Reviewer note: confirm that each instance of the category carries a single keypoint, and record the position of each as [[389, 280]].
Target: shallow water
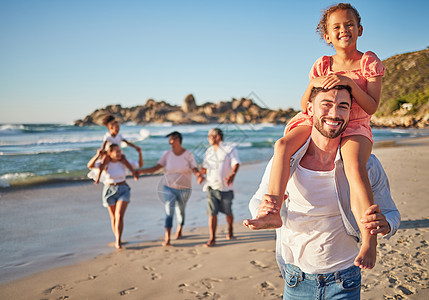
[[34, 153]]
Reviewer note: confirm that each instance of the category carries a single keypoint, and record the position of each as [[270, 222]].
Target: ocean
[[35, 153]]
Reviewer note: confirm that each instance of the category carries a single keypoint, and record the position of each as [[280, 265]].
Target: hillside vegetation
[[405, 93]]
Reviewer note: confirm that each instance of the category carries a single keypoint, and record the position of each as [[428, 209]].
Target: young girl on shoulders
[[114, 137], [340, 26]]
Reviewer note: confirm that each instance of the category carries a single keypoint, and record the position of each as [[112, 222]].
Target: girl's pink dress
[[370, 66]]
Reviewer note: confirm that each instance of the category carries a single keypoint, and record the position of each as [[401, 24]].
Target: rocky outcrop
[[238, 111], [235, 111], [189, 104]]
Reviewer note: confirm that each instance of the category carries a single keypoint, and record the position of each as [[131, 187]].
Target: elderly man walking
[[221, 164]]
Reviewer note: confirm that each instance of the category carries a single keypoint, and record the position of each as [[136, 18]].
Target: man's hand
[[230, 179], [200, 177], [374, 220], [268, 205]]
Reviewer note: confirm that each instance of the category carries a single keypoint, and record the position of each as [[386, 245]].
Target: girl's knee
[[282, 147]]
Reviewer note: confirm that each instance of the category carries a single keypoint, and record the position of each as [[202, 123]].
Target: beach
[[244, 268]]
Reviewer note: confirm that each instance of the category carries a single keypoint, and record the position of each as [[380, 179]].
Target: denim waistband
[[327, 277]]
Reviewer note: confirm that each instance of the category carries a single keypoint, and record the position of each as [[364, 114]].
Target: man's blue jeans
[[344, 284], [175, 200]]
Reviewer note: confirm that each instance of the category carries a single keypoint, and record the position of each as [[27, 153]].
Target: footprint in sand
[[208, 295], [407, 290], [208, 282], [194, 267], [200, 289], [266, 288], [54, 289], [127, 291], [155, 276], [194, 252], [90, 277], [424, 244], [239, 277], [258, 264], [261, 250], [148, 268], [109, 267]]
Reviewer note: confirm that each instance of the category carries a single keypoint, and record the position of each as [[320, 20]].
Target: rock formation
[[235, 111]]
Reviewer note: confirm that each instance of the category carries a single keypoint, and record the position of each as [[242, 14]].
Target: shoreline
[[249, 270], [41, 181]]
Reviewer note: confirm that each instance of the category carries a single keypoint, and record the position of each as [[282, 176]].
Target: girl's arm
[[132, 145], [368, 101], [315, 82], [140, 157]]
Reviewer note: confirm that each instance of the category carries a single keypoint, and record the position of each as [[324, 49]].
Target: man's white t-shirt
[[178, 169], [219, 165], [314, 237]]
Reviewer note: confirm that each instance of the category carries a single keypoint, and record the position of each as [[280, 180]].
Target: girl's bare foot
[[179, 235], [166, 243], [367, 256], [118, 245], [268, 221]]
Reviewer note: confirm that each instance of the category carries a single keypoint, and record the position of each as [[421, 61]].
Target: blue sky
[[60, 60]]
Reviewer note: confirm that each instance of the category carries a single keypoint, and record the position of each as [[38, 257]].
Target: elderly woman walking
[[178, 164]]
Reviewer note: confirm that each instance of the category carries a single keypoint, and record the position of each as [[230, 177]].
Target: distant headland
[[404, 103]]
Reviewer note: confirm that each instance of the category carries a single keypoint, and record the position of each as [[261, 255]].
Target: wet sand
[[244, 268]]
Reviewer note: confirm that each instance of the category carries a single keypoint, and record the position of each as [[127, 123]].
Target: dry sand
[[245, 268]]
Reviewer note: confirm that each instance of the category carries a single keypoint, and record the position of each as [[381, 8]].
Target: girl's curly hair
[[321, 27]]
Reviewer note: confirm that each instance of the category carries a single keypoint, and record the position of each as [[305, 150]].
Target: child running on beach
[[114, 137], [116, 192], [340, 26]]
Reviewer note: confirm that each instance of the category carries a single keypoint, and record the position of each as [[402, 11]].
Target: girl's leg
[[105, 159], [279, 175], [121, 207], [356, 150], [111, 209]]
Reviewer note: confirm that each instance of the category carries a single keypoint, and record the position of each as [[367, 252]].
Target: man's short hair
[[218, 132], [317, 90], [175, 135]]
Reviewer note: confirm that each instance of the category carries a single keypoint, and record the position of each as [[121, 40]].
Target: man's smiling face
[[331, 112]]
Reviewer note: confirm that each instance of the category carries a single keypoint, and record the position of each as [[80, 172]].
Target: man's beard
[[329, 133]]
